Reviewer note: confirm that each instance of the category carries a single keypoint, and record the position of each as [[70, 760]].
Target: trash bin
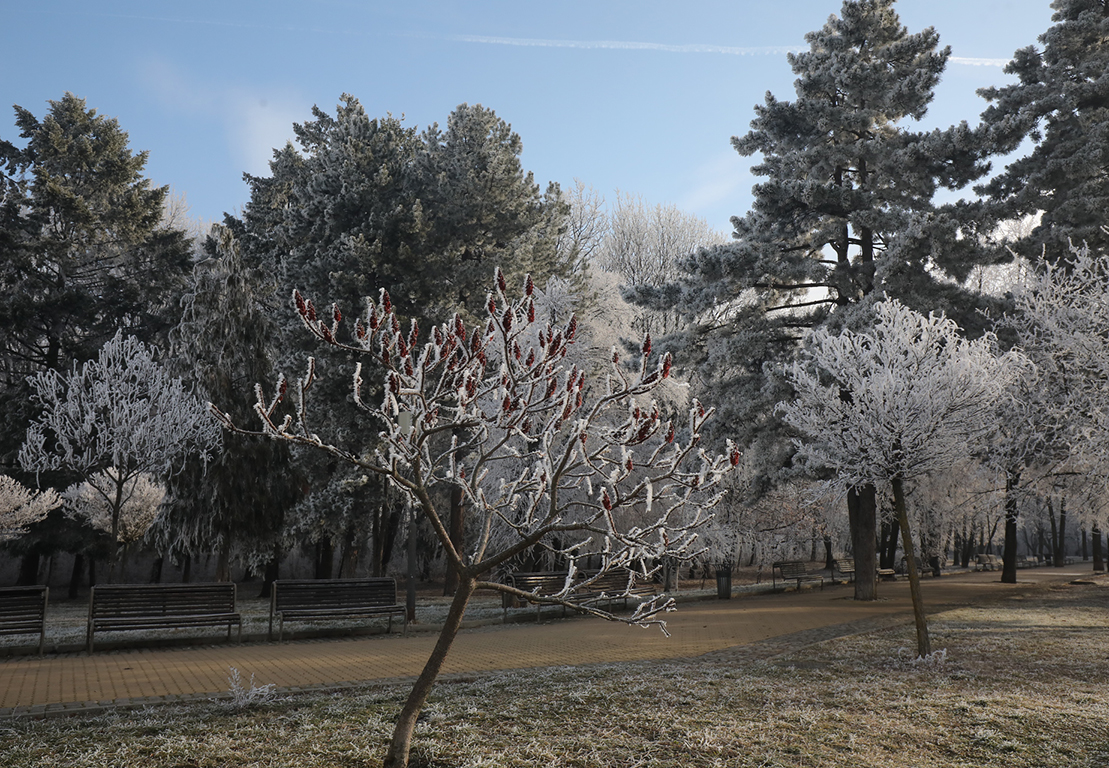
[[723, 582]]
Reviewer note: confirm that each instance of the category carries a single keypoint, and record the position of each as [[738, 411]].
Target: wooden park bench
[[331, 599], [794, 570], [121, 607], [844, 566], [617, 584], [987, 563], [23, 612]]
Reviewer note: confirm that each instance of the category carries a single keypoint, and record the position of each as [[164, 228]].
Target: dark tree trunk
[[1085, 547], [352, 550], [156, 570], [401, 744], [187, 569], [28, 570], [92, 572], [223, 560], [1099, 559], [890, 532], [325, 558], [1009, 557], [1054, 533], [272, 572], [77, 576], [829, 556], [863, 519]]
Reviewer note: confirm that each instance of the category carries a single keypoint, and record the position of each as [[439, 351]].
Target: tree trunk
[[1085, 547], [829, 556], [272, 572], [1061, 541], [187, 569], [889, 543], [1054, 532], [1009, 558], [401, 744], [352, 550], [223, 560], [156, 570], [457, 527], [325, 558], [1099, 560], [28, 570], [77, 575], [923, 643], [863, 519]]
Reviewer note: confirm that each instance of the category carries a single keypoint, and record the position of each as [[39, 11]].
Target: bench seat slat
[[23, 611], [322, 599], [124, 607]]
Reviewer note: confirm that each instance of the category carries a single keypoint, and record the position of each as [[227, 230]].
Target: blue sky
[[638, 96]]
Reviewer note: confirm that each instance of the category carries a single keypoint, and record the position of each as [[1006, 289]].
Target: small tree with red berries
[[544, 457]]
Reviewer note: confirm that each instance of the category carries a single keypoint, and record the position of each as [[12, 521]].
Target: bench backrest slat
[[334, 593], [122, 600]]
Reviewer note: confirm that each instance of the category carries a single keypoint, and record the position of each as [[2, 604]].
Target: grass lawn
[[1024, 682]]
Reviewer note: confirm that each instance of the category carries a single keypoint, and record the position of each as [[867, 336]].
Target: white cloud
[[255, 120], [978, 62], [719, 188]]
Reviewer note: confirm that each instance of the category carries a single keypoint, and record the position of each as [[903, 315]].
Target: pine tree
[[843, 216], [1061, 103]]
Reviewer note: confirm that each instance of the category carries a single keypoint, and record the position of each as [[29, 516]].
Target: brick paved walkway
[[80, 682]]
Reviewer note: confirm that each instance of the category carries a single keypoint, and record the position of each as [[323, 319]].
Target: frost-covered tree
[[599, 473], [1060, 103], [93, 501], [886, 407], [121, 411], [21, 507], [843, 215]]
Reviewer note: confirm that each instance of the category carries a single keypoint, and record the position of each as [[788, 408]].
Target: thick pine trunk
[[863, 518], [923, 643], [401, 744]]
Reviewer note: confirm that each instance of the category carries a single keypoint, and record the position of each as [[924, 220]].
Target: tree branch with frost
[[22, 507], [543, 456], [121, 411]]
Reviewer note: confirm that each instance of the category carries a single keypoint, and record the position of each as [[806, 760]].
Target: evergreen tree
[[843, 216], [1061, 103], [83, 253], [222, 347]]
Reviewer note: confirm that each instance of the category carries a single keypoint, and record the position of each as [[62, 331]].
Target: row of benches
[[122, 607]]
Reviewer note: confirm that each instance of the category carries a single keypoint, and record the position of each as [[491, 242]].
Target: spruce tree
[[1060, 103], [844, 215]]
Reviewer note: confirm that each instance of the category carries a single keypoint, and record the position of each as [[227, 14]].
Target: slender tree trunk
[[272, 572], [325, 558], [187, 569], [1009, 558], [923, 643], [156, 570], [223, 560], [1085, 547], [1099, 560], [1061, 541], [829, 556], [457, 528], [1054, 533], [862, 512], [28, 570], [401, 744]]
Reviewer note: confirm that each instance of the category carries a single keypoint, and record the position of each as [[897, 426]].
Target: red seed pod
[[502, 286], [311, 311], [408, 369], [385, 355], [605, 500], [615, 357], [700, 410], [636, 413], [491, 306], [526, 426], [336, 313], [402, 348], [386, 302], [551, 386], [506, 321], [531, 311], [360, 330], [490, 327], [581, 381], [475, 342], [529, 286], [628, 465], [573, 377], [438, 336], [670, 433], [695, 482], [531, 358], [582, 437], [572, 328], [299, 301], [471, 387], [506, 406], [459, 328], [282, 390], [651, 377], [644, 432], [647, 345], [568, 411], [734, 458], [413, 336], [516, 350], [373, 320], [667, 362], [395, 324], [326, 333], [481, 357], [394, 383], [579, 400], [542, 339]]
